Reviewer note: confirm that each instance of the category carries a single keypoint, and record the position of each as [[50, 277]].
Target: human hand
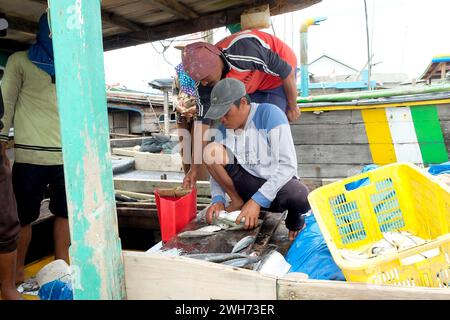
[[213, 211], [179, 105], [190, 113], [293, 113], [190, 179], [250, 211]]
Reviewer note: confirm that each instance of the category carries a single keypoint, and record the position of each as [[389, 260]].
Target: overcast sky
[[404, 36]]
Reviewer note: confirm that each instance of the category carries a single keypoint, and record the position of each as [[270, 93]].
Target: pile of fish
[[392, 243], [235, 258], [239, 255], [224, 221]]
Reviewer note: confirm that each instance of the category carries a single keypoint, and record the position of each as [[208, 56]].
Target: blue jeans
[[275, 96]]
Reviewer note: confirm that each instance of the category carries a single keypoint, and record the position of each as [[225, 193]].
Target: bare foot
[[11, 294], [20, 276], [235, 204]]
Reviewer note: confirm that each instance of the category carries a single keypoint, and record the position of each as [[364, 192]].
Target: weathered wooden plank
[[333, 154], [176, 8], [328, 171], [152, 205], [445, 126], [330, 117], [444, 112], [152, 161], [95, 250], [153, 276], [338, 290], [27, 26], [379, 136], [329, 134], [203, 187], [117, 20], [212, 19], [148, 185], [135, 195]]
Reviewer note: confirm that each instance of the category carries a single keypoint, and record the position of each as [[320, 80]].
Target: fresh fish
[[402, 240], [229, 219], [240, 262], [201, 232], [392, 242], [243, 243], [216, 257]]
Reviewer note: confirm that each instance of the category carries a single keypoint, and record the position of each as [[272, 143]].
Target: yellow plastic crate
[[395, 197]]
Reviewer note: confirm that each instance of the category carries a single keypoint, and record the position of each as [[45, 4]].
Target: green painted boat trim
[[429, 134], [360, 95]]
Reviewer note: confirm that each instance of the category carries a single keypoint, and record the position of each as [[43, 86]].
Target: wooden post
[[166, 112], [304, 73], [95, 251]]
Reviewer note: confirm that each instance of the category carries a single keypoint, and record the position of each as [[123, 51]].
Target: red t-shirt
[[260, 60]]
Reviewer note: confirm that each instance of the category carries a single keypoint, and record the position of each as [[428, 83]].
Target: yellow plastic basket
[[395, 197]]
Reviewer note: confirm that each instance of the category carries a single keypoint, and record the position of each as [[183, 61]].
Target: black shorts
[[31, 183], [293, 196]]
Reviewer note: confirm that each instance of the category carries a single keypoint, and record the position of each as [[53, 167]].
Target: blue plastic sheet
[[309, 254], [56, 290], [442, 168], [362, 182]]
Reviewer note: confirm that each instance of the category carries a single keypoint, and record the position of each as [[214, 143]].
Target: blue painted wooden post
[[95, 250], [304, 73]]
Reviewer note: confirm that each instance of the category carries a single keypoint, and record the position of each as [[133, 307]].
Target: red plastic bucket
[[174, 213]]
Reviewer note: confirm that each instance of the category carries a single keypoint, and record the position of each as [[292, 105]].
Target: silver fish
[[201, 232], [216, 257], [240, 262], [243, 243]]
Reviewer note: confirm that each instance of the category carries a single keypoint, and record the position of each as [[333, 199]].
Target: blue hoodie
[[41, 53]]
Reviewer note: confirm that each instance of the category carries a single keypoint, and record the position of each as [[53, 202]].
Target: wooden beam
[[22, 25], [203, 187], [153, 276], [152, 161], [176, 8], [290, 289], [95, 251], [206, 22], [112, 18], [148, 185], [117, 20]]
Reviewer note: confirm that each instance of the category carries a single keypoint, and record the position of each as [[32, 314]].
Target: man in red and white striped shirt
[[265, 64]]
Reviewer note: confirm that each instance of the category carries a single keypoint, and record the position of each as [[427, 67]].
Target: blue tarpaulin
[[309, 254]]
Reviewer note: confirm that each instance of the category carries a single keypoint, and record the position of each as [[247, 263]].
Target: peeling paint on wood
[[95, 250]]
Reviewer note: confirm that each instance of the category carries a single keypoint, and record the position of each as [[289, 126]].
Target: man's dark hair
[[237, 103]]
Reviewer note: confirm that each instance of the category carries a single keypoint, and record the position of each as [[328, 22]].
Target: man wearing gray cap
[[252, 159]]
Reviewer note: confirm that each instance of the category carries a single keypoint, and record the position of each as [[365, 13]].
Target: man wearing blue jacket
[[253, 159]]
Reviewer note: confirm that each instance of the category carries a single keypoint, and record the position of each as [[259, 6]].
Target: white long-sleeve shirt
[[264, 148]]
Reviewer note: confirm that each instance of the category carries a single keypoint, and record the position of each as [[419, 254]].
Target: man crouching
[[252, 159]]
